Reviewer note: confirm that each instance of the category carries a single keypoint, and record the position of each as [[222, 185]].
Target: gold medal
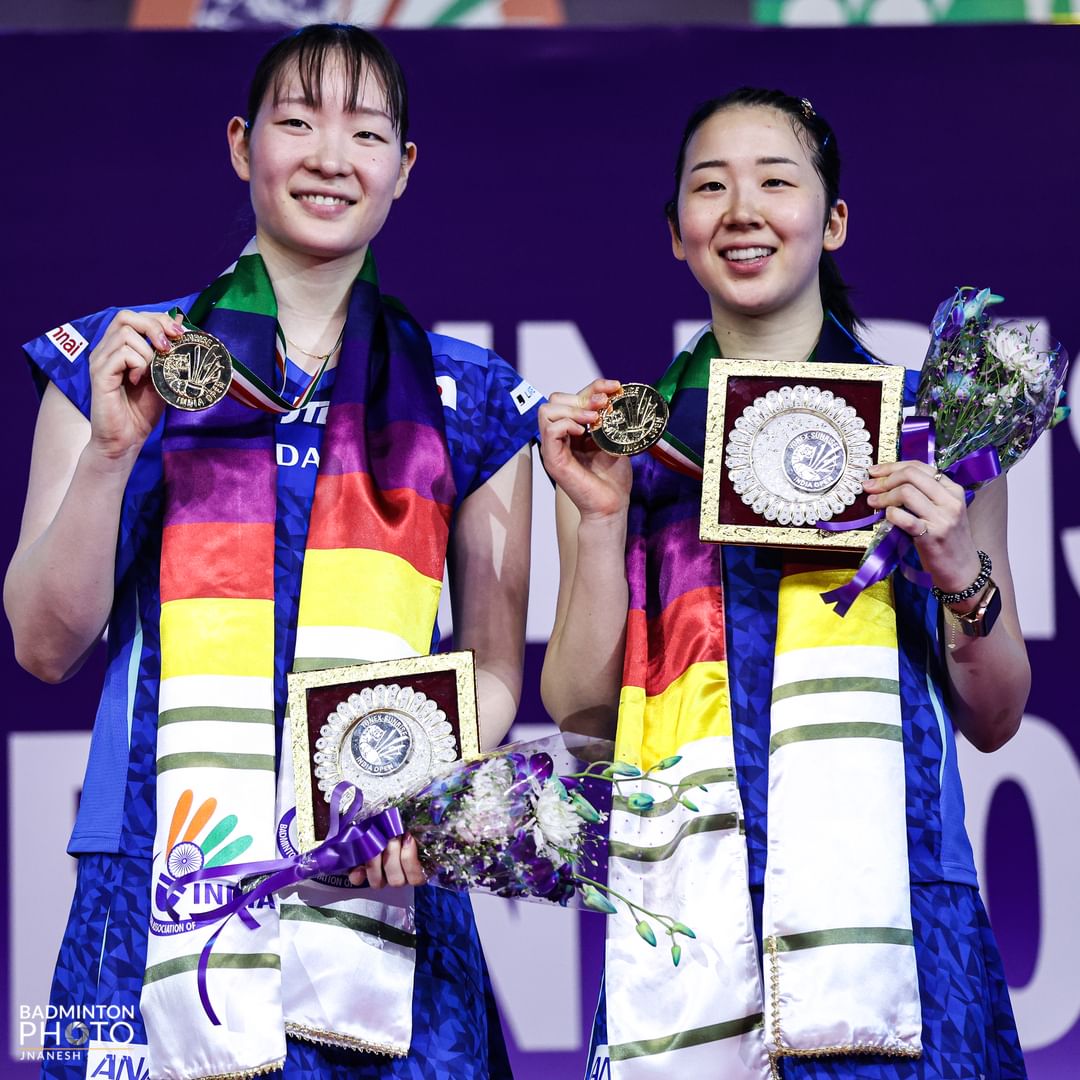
[[194, 374], [635, 419]]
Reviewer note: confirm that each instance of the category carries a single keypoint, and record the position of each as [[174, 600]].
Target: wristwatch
[[980, 620]]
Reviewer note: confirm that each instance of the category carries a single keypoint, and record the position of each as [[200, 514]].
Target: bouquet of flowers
[[985, 395], [505, 823], [987, 385], [509, 825]]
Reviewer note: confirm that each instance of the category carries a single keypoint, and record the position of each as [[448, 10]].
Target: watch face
[[992, 609], [980, 622]]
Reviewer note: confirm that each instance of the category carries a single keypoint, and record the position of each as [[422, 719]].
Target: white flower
[[557, 824], [484, 811], [1012, 347]]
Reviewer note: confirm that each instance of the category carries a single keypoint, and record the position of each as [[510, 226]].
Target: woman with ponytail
[[819, 853]]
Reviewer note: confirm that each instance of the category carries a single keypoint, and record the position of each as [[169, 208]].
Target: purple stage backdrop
[[533, 222]]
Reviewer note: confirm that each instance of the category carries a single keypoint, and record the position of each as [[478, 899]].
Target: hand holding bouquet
[[985, 395]]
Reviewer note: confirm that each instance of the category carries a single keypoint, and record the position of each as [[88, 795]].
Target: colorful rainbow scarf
[[321, 963], [840, 973]]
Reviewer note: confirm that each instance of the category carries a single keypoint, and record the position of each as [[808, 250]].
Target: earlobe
[[836, 227], [237, 134], [408, 160], [677, 248]]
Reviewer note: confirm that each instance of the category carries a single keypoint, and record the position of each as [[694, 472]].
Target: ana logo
[[195, 843], [447, 391], [67, 340], [600, 1066], [525, 396], [114, 1065]]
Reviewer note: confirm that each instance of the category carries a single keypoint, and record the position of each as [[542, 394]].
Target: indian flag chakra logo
[[200, 837], [186, 852]]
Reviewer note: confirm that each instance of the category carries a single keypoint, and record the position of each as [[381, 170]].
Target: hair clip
[[807, 108]]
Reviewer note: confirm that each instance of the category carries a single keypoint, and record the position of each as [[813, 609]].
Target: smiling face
[[752, 222], [324, 172]]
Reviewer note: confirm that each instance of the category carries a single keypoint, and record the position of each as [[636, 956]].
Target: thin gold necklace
[[321, 357]]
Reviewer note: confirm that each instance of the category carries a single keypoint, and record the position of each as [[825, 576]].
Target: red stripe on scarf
[[235, 561], [690, 630], [350, 513]]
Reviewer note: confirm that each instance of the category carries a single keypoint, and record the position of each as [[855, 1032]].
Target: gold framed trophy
[[386, 727], [788, 445]]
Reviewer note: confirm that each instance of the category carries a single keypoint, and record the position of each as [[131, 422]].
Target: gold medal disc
[[194, 374], [634, 420]]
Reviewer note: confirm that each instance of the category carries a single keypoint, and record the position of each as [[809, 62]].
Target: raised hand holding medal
[[124, 407], [596, 483]]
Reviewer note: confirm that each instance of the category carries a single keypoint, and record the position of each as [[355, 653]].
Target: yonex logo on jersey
[[68, 340], [447, 391], [525, 396]]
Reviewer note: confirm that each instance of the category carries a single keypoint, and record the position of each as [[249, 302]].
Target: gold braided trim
[[345, 1042], [262, 1070], [783, 1050]]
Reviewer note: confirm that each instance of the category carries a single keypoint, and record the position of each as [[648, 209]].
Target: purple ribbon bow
[[916, 444], [350, 842]]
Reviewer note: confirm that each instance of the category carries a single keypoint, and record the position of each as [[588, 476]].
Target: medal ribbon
[[247, 388]]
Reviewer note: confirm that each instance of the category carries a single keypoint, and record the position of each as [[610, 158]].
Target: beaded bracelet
[[985, 568]]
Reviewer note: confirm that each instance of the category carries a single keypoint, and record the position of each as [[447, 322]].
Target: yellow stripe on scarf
[[373, 589], [694, 706], [216, 636], [805, 622]]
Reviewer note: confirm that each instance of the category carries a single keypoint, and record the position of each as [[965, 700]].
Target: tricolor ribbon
[[916, 444], [351, 841], [247, 388]]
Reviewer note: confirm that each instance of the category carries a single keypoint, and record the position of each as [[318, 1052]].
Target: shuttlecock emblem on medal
[[194, 374], [385, 740], [632, 422], [798, 455]]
